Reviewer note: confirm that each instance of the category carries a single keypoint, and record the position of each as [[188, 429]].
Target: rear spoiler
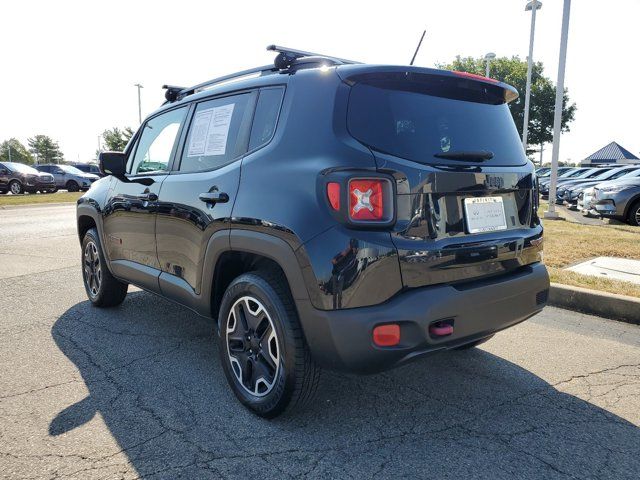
[[501, 92]]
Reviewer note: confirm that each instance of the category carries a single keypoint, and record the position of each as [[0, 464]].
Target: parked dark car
[[89, 168], [68, 177], [567, 172], [619, 200], [326, 215], [19, 178]]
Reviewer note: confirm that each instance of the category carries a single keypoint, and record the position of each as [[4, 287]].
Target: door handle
[[212, 198], [148, 197]]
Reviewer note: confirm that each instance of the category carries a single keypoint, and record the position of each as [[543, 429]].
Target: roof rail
[[265, 70], [285, 59]]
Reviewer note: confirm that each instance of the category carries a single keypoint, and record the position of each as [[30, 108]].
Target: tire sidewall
[[92, 235], [16, 182], [633, 212], [276, 400]]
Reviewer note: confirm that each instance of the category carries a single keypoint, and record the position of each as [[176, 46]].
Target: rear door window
[[419, 117], [214, 137]]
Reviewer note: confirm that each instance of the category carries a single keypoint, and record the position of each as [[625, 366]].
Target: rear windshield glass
[[399, 118]]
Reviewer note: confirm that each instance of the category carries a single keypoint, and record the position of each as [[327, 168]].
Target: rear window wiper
[[466, 155]]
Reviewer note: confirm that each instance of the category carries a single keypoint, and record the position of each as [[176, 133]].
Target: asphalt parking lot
[[137, 392]]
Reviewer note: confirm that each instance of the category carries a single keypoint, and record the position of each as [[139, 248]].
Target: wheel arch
[[632, 201], [249, 251]]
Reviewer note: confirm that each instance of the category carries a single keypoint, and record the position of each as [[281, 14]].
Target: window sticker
[[210, 131]]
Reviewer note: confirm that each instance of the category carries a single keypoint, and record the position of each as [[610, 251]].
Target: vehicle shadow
[[153, 375]]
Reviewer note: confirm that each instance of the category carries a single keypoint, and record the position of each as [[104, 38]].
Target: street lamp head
[[530, 5], [490, 56]]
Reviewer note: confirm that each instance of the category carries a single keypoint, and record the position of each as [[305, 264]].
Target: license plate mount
[[484, 214]]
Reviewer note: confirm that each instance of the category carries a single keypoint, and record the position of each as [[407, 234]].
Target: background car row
[[19, 178], [610, 191]]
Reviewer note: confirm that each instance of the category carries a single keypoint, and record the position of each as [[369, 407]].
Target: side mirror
[[113, 163], [3, 171]]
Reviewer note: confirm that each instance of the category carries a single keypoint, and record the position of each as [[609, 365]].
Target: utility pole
[[557, 114], [9, 145], [99, 147], [139, 103], [488, 57], [533, 5]]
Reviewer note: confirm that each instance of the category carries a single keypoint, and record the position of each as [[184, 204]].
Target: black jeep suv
[[326, 214]]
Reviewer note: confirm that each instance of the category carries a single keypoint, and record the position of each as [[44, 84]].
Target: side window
[[213, 136], [266, 117], [156, 142]]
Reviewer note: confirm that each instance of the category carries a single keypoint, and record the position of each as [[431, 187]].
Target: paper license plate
[[484, 214]]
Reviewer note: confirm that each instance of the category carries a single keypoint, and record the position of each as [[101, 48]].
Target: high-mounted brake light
[[475, 77], [333, 193], [367, 199]]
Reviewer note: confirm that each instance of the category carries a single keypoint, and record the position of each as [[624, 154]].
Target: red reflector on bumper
[[386, 335]]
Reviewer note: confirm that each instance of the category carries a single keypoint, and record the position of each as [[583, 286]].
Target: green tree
[[45, 149], [543, 95], [116, 139], [14, 151]]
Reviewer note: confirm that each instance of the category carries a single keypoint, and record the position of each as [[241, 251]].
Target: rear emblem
[[445, 144]]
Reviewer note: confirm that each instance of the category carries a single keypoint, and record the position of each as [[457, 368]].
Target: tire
[[262, 348], [103, 289], [16, 187], [72, 186], [54, 190], [633, 217], [471, 345]]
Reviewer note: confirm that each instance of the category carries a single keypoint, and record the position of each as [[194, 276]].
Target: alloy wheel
[[92, 269], [252, 346], [16, 188]]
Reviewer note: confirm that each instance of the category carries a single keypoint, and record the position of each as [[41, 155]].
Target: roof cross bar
[[286, 56], [284, 60]]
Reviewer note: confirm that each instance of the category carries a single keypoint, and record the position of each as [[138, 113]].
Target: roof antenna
[[418, 47]]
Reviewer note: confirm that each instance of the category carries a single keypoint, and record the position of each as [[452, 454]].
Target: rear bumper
[[342, 339]]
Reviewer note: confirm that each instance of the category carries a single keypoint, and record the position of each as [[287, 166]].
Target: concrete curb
[[33, 205], [602, 304]]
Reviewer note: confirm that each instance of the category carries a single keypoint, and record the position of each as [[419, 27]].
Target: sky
[[68, 68]]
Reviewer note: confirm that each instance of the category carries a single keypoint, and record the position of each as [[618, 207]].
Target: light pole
[[9, 145], [488, 57], [139, 103], [557, 114], [533, 5]]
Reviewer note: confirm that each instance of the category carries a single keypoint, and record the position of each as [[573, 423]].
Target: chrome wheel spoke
[[252, 346]]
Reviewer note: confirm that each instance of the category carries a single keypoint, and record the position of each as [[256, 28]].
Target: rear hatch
[[464, 188]]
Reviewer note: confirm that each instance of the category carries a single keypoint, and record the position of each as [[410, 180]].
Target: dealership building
[[612, 154]]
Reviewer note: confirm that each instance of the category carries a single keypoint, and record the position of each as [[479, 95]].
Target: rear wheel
[[103, 289], [16, 187], [263, 352], [72, 186], [634, 214]]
